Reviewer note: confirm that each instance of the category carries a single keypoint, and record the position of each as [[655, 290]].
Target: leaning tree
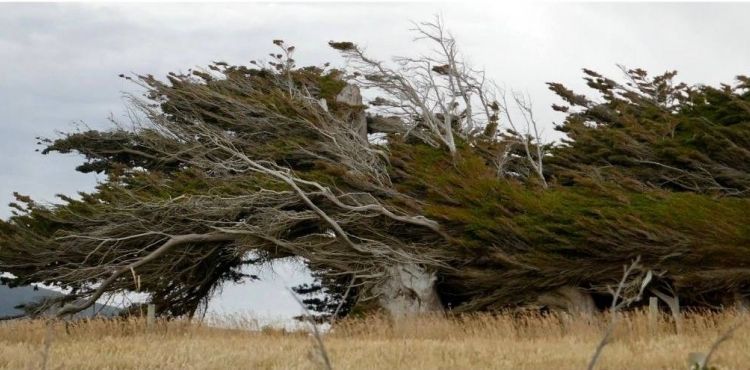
[[435, 192], [228, 166]]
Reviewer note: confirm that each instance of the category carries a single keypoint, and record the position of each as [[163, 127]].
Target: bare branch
[[634, 289], [164, 248]]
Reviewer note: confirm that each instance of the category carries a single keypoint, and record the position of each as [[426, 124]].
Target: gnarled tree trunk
[[352, 99], [408, 290], [741, 302], [571, 300]]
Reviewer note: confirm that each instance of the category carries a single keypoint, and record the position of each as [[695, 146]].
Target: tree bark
[[571, 300], [409, 290], [351, 97], [741, 302]]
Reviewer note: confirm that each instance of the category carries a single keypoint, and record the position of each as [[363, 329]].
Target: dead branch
[[319, 345], [172, 242], [620, 299]]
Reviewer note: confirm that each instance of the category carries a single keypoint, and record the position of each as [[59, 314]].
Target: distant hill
[[12, 297]]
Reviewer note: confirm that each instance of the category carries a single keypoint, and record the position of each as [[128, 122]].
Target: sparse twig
[[703, 364], [315, 332], [343, 301], [619, 300]]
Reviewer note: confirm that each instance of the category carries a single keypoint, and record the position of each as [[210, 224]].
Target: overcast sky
[[59, 65]]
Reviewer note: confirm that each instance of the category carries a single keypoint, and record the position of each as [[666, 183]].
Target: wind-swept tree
[[430, 195], [219, 165]]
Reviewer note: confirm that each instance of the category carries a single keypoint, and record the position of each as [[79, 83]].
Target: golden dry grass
[[469, 342]]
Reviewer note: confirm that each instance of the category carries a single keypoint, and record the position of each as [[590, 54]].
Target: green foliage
[[653, 132], [605, 205], [649, 168]]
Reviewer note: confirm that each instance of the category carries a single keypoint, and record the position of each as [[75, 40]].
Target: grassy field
[[470, 342]]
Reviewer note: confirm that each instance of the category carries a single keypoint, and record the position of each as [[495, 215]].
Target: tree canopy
[[429, 195]]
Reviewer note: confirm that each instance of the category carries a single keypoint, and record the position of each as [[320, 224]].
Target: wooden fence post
[[653, 315], [674, 306], [677, 315], [150, 315]]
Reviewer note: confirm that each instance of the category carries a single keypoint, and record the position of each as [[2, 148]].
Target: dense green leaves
[[655, 133]]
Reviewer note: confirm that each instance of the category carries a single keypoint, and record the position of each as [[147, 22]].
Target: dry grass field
[[470, 342]]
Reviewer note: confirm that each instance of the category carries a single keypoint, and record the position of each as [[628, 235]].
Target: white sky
[[59, 65]]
